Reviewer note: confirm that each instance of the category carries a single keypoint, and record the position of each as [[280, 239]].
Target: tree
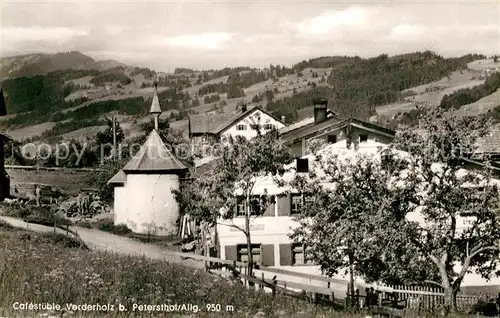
[[237, 170], [446, 194], [106, 137], [345, 203], [495, 59]]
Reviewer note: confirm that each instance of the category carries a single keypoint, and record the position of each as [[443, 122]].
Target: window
[[299, 254], [332, 139], [243, 253], [255, 126], [296, 204], [363, 138], [240, 206], [302, 165], [299, 201], [255, 203], [268, 126], [241, 127]]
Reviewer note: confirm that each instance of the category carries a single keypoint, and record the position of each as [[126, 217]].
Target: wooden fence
[[432, 297], [322, 288], [319, 288], [417, 297], [17, 167]]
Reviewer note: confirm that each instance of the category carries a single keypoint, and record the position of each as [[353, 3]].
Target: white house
[[269, 232], [245, 123], [143, 199]]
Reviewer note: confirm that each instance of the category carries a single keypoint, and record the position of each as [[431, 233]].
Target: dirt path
[[102, 241]]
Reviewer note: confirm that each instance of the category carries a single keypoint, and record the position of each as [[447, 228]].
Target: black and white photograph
[[249, 158]]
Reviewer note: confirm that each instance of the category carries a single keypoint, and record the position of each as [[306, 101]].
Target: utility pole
[[114, 138]]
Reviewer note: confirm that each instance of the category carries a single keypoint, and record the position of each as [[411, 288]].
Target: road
[[102, 241]]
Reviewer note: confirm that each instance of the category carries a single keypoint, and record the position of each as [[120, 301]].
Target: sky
[[214, 34]]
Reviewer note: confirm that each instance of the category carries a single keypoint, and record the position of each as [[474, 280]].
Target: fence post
[[263, 280], [275, 284], [332, 296]]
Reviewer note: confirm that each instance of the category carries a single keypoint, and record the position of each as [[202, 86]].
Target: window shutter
[[285, 254], [284, 205], [268, 255], [271, 206], [231, 253]]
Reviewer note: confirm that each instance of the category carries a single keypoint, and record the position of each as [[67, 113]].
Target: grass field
[[432, 93], [481, 106], [50, 270], [70, 182], [30, 131]]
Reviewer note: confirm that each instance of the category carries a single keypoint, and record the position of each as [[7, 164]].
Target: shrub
[[59, 239], [5, 226], [109, 226], [485, 308]]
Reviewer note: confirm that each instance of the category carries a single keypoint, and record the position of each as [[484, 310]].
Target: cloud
[[207, 41], [114, 29], [334, 21], [407, 33], [255, 34], [39, 33]]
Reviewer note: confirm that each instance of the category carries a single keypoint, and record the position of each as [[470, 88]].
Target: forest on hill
[[358, 86], [354, 87]]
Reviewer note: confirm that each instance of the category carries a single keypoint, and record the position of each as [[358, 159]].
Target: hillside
[[73, 103], [39, 64], [470, 92]]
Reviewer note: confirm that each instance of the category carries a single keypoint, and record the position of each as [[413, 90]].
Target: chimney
[[243, 108], [320, 110], [283, 118]]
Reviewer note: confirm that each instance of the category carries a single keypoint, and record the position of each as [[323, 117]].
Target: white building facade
[[143, 198], [214, 127], [270, 232]]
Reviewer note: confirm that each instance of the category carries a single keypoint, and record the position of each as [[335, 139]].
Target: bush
[[5, 226], [85, 224], [109, 226], [60, 240], [33, 214], [485, 308]]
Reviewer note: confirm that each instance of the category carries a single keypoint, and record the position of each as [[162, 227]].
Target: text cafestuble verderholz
[[103, 307]]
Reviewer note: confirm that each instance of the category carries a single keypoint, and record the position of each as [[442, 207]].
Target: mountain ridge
[[74, 99], [44, 63]]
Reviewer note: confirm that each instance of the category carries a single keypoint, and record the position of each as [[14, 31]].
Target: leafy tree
[[345, 202], [447, 193], [106, 136], [238, 168]]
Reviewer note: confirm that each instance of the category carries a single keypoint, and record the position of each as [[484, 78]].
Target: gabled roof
[[155, 104], [119, 178], [154, 156], [312, 130], [309, 121], [490, 144], [217, 123]]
